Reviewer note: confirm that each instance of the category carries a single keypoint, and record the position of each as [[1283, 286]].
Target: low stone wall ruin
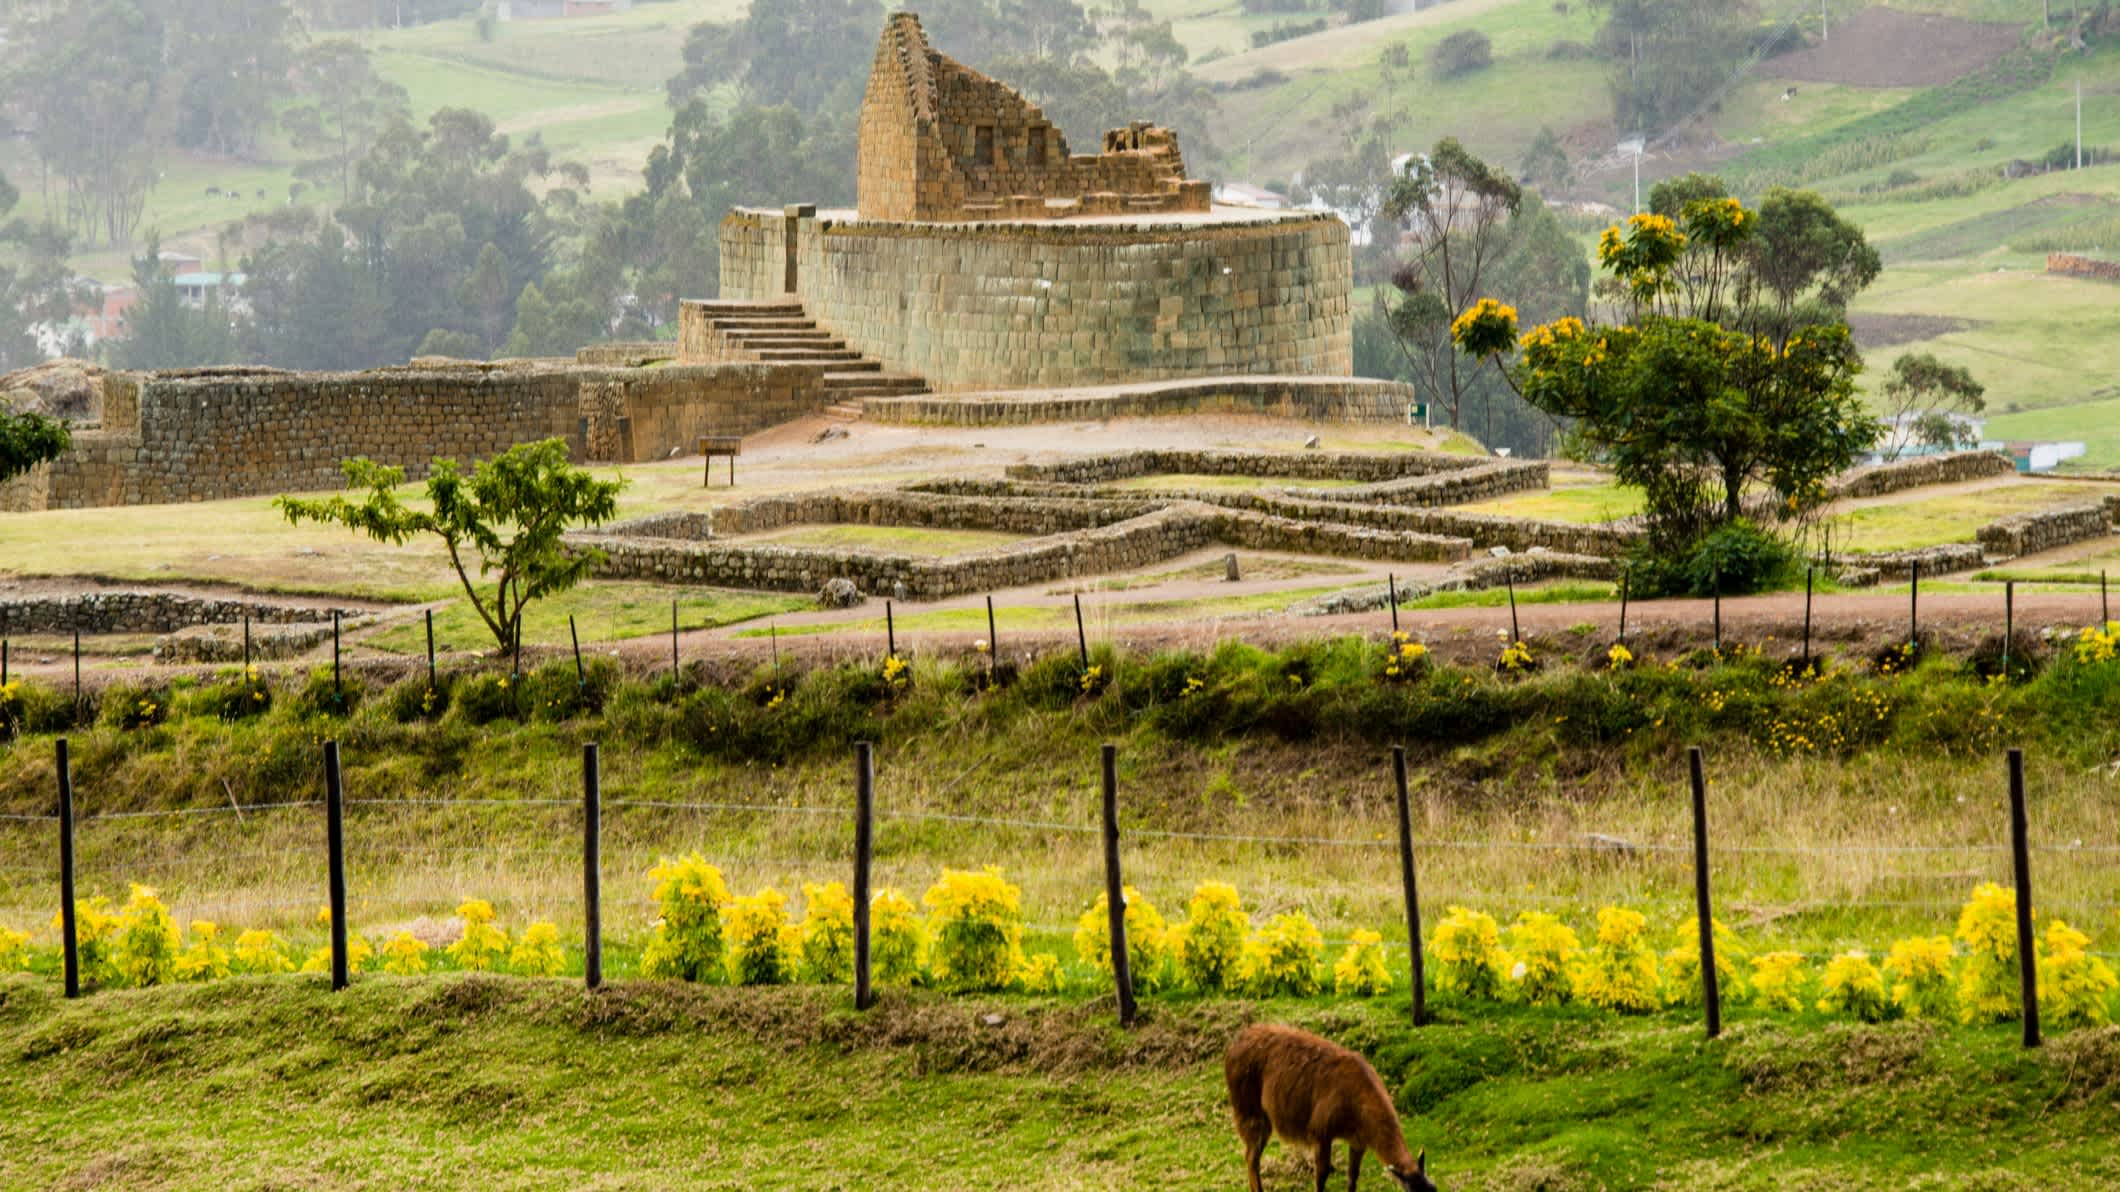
[[1464, 486], [146, 612], [1920, 472], [1366, 466], [1310, 399], [2030, 533], [1898, 565]]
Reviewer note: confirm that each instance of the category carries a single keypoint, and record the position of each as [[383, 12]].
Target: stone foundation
[[147, 612], [1920, 472], [2030, 533]]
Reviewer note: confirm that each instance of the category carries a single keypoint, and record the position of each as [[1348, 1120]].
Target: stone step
[[738, 326], [777, 307], [856, 392], [865, 375], [779, 343], [836, 357], [790, 330], [844, 412]]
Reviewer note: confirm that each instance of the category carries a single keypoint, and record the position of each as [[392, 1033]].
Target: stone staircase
[[782, 332]]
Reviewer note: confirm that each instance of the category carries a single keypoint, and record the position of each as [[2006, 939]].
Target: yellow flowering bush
[[405, 955], [1093, 680], [896, 938], [1619, 657], [687, 943], [897, 673], [1360, 971], [1919, 969], [1852, 984], [483, 945], [1546, 951], [358, 951], [1516, 659], [206, 959], [1487, 328], [1681, 965], [1040, 974], [1408, 659], [2099, 643], [975, 929], [1778, 980], [1988, 989], [1468, 954], [2075, 988], [95, 929], [260, 951], [1619, 973], [14, 950], [755, 929], [1281, 958], [1210, 943], [827, 933], [147, 940], [1148, 946], [537, 951]]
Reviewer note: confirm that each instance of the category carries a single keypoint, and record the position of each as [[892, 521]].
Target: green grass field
[[441, 1081], [1933, 521], [1585, 503], [912, 540]]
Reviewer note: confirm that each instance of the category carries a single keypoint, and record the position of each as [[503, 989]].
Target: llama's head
[[1414, 1179]]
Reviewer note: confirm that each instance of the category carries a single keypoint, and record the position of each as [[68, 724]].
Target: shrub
[[1147, 940], [2016, 662], [1407, 659], [358, 952], [1041, 974], [1516, 659], [129, 707], [259, 951], [206, 959], [1546, 951], [12, 710], [1682, 985], [1737, 559], [756, 931], [14, 950], [1360, 971], [1468, 953], [975, 927], [413, 700], [241, 695], [1920, 972], [147, 940], [537, 952], [556, 692], [1462, 53], [405, 955], [2075, 988], [1281, 958], [1853, 985], [485, 698], [1620, 971], [1778, 980], [2094, 645], [828, 933], [687, 943], [95, 943], [1988, 988], [323, 695], [896, 938], [1210, 942], [482, 946]]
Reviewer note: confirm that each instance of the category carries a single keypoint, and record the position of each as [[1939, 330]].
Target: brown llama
[[1313, 1092]]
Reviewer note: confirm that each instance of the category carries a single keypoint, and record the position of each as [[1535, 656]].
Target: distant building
[[2036, 456], [1243, 194], [195, 288], [542, 10]]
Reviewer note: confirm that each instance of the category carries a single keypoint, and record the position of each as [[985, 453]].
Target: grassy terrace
[[1583, 504], [1932, 521]]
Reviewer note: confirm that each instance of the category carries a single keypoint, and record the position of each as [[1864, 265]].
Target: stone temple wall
[[202, 435], [1036, 305]]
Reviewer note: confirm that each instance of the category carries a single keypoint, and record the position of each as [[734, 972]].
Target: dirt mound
[[1882, 47]]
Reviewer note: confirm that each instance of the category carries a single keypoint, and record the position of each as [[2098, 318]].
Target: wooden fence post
[[1406, 880], [335, 845], [338, 689], [1914, 604], [890, 631], [2009, 624], [993, 640], [592, 867], [1081, 636], [77, 673], [864, 854], [1718, 612], [2021, 865], [3, 661], [1710, 986], [1625, 576], [69, 931], [675, 666], [432, 685], [1391, 587], [1809, 574], [246, 642], [1516, 633], [2105, 609], [1115, 889]]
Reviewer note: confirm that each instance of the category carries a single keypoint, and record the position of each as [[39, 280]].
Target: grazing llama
[[1312, 1093]]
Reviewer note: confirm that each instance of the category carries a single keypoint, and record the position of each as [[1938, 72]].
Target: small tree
[[27, 440], [1461, 53], [530, 489], [1919, 397]]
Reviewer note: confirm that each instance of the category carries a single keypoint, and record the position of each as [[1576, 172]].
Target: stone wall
[[1366, 466], [1894, 566], [1016, 305], [2030, 533], [201, 435], [631, 354], [753, 257], [145, 612], [2071, 265], [1920, 472], [1309, 399], [1486, 482]]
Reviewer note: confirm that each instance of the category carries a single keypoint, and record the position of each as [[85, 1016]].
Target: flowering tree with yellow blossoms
[[1714, 414]]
